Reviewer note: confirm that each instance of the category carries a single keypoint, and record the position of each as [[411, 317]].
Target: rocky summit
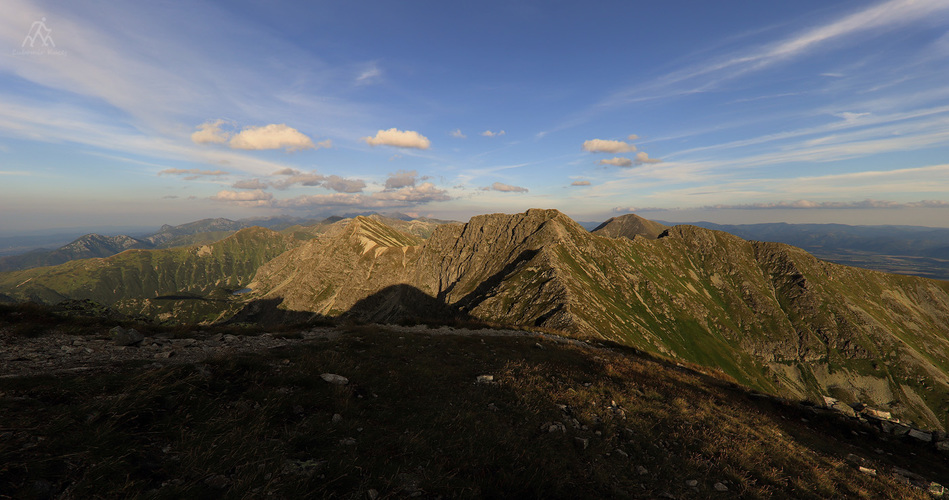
[[769, 316]]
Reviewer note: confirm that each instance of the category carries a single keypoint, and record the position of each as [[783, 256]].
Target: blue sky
[[731, 111]]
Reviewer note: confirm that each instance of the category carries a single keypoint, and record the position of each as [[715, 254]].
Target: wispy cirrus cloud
[[193, 172], [876, 20]]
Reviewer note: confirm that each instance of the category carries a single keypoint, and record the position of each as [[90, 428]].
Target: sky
[[144, 113]]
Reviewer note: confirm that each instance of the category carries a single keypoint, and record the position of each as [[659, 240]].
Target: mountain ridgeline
[[771, 316]]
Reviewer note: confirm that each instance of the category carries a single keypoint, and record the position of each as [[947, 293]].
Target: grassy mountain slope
[[913, 250], [770, 315], [130, 280]]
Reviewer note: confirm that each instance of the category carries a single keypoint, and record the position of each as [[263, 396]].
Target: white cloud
[[632, 137], [580, 183], [488, 133], [273, 136], [607, 146], [617, 162], [399, 139], [642, 157], [504, 188], [210, 133], [401, 179], [457, 133]]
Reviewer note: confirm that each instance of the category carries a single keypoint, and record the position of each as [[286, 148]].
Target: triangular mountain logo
[[41, 32]]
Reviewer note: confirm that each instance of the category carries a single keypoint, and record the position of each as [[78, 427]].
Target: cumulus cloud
[[504, 188], [210, 133], [399, 139], [341, 185], [250, 184], [273, 136], [294, 177], [256, 197], [642, 157], [488, 133], [807, 204], [423, 193], [632, 137], [580, 183], [617, 162], [457, 133], [193, 172], [401, 179], [607, 146]]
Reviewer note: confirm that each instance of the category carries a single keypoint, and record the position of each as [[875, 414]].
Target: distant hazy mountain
[[770, 315], [85, 247]]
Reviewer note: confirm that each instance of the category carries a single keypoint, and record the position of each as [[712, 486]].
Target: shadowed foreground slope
[[558, 420]]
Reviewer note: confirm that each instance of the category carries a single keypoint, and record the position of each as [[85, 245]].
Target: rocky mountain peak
[[630, 226]]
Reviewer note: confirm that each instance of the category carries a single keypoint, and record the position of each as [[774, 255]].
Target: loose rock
[[334, 379], [122, 337]]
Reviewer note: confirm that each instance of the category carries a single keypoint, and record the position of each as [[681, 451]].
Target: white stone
[[334, 379]]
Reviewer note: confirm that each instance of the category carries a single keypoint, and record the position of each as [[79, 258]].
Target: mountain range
[[913, 250], [770, 316]]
